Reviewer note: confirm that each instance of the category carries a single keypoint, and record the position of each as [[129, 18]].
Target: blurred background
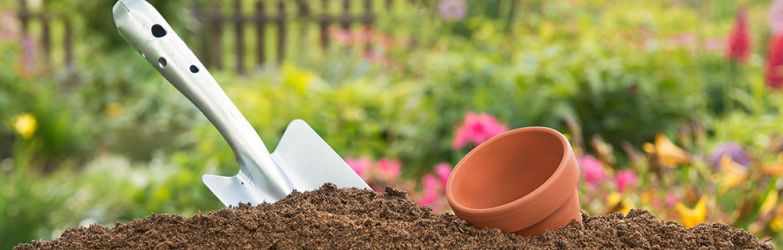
[[674, 106]]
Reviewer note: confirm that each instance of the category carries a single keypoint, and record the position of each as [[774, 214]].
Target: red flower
[[775, 63], [738, 48]]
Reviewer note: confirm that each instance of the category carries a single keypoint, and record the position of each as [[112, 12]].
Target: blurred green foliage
[[114, 141]]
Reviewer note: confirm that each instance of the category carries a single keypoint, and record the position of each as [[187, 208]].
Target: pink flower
[[351, 38], [712, 45], [477, 128], [359, 165], [430, 183], [10, 29], [738, 46], [592, 169], [429, 198], [389, 169], [624, 179], [443, 170], [452, 10], [339, 35], [432, 189], [376, 56], [776, 16], [684, 40], [671, 199], [27, 62]]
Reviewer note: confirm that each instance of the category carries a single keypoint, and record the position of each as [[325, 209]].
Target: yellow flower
[[648, 148], [546, 31], [647, 197], [733, 172], [669, 154], [298, 79], [626, 208], [693, 216], [774, 169], [614, 198], [769, 202], [617, 202], [776, 224], [114, 109], [25, 125]]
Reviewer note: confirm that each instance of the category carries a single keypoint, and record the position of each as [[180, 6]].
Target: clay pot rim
[[533, 195]]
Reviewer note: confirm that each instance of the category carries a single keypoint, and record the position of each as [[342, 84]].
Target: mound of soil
[[333, 218]]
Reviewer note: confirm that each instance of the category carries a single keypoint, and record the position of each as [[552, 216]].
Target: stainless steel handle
[[145, 29]]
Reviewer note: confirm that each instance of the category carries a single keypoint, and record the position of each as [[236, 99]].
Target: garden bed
[[335, 218]]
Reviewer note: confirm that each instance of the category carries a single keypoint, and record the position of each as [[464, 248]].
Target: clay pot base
[[564, 215]]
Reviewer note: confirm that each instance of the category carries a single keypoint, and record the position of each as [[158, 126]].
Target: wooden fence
[[214, 21], [45, 19]]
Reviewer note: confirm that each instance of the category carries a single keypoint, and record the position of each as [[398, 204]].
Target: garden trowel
[[302, 160]]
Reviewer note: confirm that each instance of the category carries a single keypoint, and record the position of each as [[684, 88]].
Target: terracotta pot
[[522, 181]]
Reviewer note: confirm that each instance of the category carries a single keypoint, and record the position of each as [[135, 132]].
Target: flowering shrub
[[430, 191], [690, 187], [685, 186]]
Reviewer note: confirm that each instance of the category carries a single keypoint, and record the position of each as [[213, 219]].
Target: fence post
[[303, 10], [346, 18], [24, 17], [46, 38], [217, 34], [260, 34], [240, 37], [281, 35], [201, 50], [323, 24], [368, 19]]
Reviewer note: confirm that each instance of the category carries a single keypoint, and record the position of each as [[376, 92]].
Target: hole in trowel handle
[[162, 62], [158, 31]]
